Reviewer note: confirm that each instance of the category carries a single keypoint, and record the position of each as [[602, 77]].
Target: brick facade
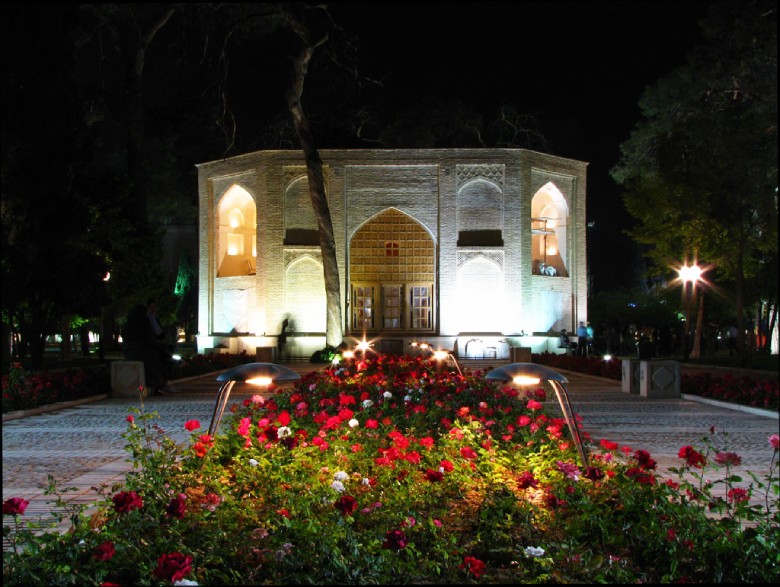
[[459, 220]]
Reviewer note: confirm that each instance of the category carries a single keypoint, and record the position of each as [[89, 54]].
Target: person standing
[[582, 340]]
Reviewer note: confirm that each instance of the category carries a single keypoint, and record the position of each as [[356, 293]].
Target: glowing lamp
[[690, 273], [440, 355], [533, 374], [348, 355], [260, 374]]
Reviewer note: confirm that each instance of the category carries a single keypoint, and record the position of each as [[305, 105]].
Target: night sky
[[580, 67]]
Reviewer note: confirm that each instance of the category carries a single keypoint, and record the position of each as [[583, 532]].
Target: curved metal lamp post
[[261, 374], [532, 374]]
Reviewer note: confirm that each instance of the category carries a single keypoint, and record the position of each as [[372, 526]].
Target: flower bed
[[25, 390], [745, 391], [388, 472]]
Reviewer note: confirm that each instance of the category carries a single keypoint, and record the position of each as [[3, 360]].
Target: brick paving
[[82, 447]]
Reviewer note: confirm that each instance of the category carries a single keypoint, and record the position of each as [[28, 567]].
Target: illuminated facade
[[468, 249]]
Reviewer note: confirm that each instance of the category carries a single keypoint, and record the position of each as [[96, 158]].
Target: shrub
[[391, 471]]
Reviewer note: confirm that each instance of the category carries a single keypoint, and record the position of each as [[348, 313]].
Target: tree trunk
[[696, 352], [334, 333]]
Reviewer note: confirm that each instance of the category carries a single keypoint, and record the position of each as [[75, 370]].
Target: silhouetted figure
[[565, 343], [281, 340], [141, 343]]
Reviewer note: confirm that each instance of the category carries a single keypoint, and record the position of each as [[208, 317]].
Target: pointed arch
[[392, 273], [236, 249], [304, 295], [549, 231], [480, 297]]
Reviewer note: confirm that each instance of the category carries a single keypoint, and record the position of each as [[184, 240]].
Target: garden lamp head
[[260, 374], [522, 374]]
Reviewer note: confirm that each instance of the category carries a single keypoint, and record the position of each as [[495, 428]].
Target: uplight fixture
[[259, 374], [524, 374]]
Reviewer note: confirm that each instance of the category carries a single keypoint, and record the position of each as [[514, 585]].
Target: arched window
[[549, 220], [236, 233]]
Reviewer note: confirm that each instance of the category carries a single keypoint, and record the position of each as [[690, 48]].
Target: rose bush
[[745, 391], [391, 471]]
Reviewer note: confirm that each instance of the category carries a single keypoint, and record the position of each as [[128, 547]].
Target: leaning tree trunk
[[334, 332]]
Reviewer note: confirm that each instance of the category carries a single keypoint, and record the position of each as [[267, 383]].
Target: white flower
[[338, 486], [253, 462], [341, 476], [353, 422], [407, 398], [387, 395], [283, 431], [367, 403], [366, 481], [185, 582], [534, 551]]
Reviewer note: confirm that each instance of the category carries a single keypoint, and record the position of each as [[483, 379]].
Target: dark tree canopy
[[700, 170]]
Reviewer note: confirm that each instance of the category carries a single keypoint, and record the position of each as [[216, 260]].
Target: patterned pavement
[[81, 445]]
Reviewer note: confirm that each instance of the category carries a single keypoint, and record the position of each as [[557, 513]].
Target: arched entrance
[[392, 269]]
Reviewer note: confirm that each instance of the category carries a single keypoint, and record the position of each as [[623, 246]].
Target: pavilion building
[[472, 250]]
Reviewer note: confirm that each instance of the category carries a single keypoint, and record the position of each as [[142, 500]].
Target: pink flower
[[728, 458], [395, 540], [774, 441], [191, 425], [14, 506], [130, 419], [468, 453], [571, 471]]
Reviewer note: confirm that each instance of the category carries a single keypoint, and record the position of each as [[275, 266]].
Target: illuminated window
[[235, 218], [235, 244]]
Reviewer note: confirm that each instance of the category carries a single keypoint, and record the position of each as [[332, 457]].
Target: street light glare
[[690, 273]]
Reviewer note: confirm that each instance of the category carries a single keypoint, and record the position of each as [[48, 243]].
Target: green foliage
[[700, 170], [389, 471]]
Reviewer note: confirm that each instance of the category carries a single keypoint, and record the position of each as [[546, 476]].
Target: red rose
[[475, 566], [394, 540], [173, 567], [432, 475], [127, 501], [104, 552], [15, 506], [692, 456], [177, 506], [346, 504], [191, 425]]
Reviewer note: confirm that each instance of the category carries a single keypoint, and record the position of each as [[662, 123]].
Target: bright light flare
[[363, 346], [348, 355], [260, 381], [690, 273], [440, 355], [525, 380]]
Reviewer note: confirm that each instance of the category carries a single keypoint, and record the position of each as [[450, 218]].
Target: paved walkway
[[81, 446]]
